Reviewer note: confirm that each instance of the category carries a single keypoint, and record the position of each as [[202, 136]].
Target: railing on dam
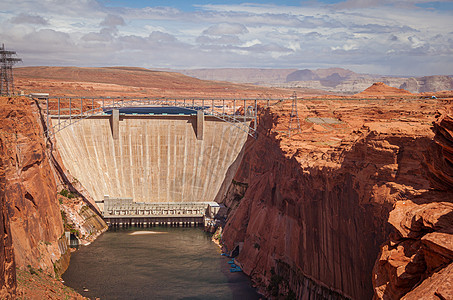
[[65, 111]]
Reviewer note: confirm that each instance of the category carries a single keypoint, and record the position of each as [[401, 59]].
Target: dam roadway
[[152, 159]]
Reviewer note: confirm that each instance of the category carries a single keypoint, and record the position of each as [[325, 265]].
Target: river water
[[174, 263]]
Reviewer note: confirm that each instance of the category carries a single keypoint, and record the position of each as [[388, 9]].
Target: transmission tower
[[294, 117], [6, 76]]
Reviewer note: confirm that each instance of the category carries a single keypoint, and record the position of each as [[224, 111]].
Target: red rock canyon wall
[[311, 221], [30, 191]]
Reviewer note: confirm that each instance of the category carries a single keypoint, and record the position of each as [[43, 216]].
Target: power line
[[6, 67]]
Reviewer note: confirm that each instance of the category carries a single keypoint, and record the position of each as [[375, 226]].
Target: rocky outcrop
[[380, 89], [438, 286], [417, 253], [312, 212], [81, 220]]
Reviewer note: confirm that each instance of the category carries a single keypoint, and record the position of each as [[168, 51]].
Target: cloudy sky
[[406, 37]]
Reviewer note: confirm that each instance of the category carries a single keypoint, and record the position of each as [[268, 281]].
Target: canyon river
[[155, 263]]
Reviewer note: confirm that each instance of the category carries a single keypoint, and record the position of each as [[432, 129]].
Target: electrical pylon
[[294, 117]]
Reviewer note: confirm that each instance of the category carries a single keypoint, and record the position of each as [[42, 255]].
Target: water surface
[[179, 263]]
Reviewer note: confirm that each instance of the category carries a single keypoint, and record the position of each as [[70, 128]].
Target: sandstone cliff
[[440, 163], [428, 84], [312, 210], [8, 282], [30, 188], [31, 226]]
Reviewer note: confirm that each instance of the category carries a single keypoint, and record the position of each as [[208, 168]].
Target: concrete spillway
[[155, 159]]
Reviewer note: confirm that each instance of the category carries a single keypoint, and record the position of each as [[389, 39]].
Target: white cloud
[[96, 37], [221, 40], [225, 29], [345, 47], [368, 36], [112, 21], [373, 3]]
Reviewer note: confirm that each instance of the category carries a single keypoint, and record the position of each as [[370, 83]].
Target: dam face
[[154, 159]]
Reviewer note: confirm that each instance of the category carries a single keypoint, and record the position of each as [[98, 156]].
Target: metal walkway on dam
[[66, 111]]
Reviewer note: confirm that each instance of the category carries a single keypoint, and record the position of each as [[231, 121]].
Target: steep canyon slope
[[309, 212], [30, 187], [32, 227]]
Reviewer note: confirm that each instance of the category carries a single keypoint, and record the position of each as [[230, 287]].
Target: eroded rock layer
[[420, 248], [8, 282], [312, 210]]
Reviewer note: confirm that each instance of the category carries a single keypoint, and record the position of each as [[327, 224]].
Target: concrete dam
[[146, 160]]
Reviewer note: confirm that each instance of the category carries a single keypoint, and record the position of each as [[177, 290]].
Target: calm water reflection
[[178, 263]]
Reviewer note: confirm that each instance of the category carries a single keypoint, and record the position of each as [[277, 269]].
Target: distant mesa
[[328, 76], [119, 81], [332, 80], [381, 89], [302, 75]]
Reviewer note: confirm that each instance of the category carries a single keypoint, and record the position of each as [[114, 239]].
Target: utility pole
[[6, 67], [294, 117]]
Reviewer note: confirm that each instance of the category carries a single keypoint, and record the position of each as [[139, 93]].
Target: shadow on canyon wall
[[324, 224]]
